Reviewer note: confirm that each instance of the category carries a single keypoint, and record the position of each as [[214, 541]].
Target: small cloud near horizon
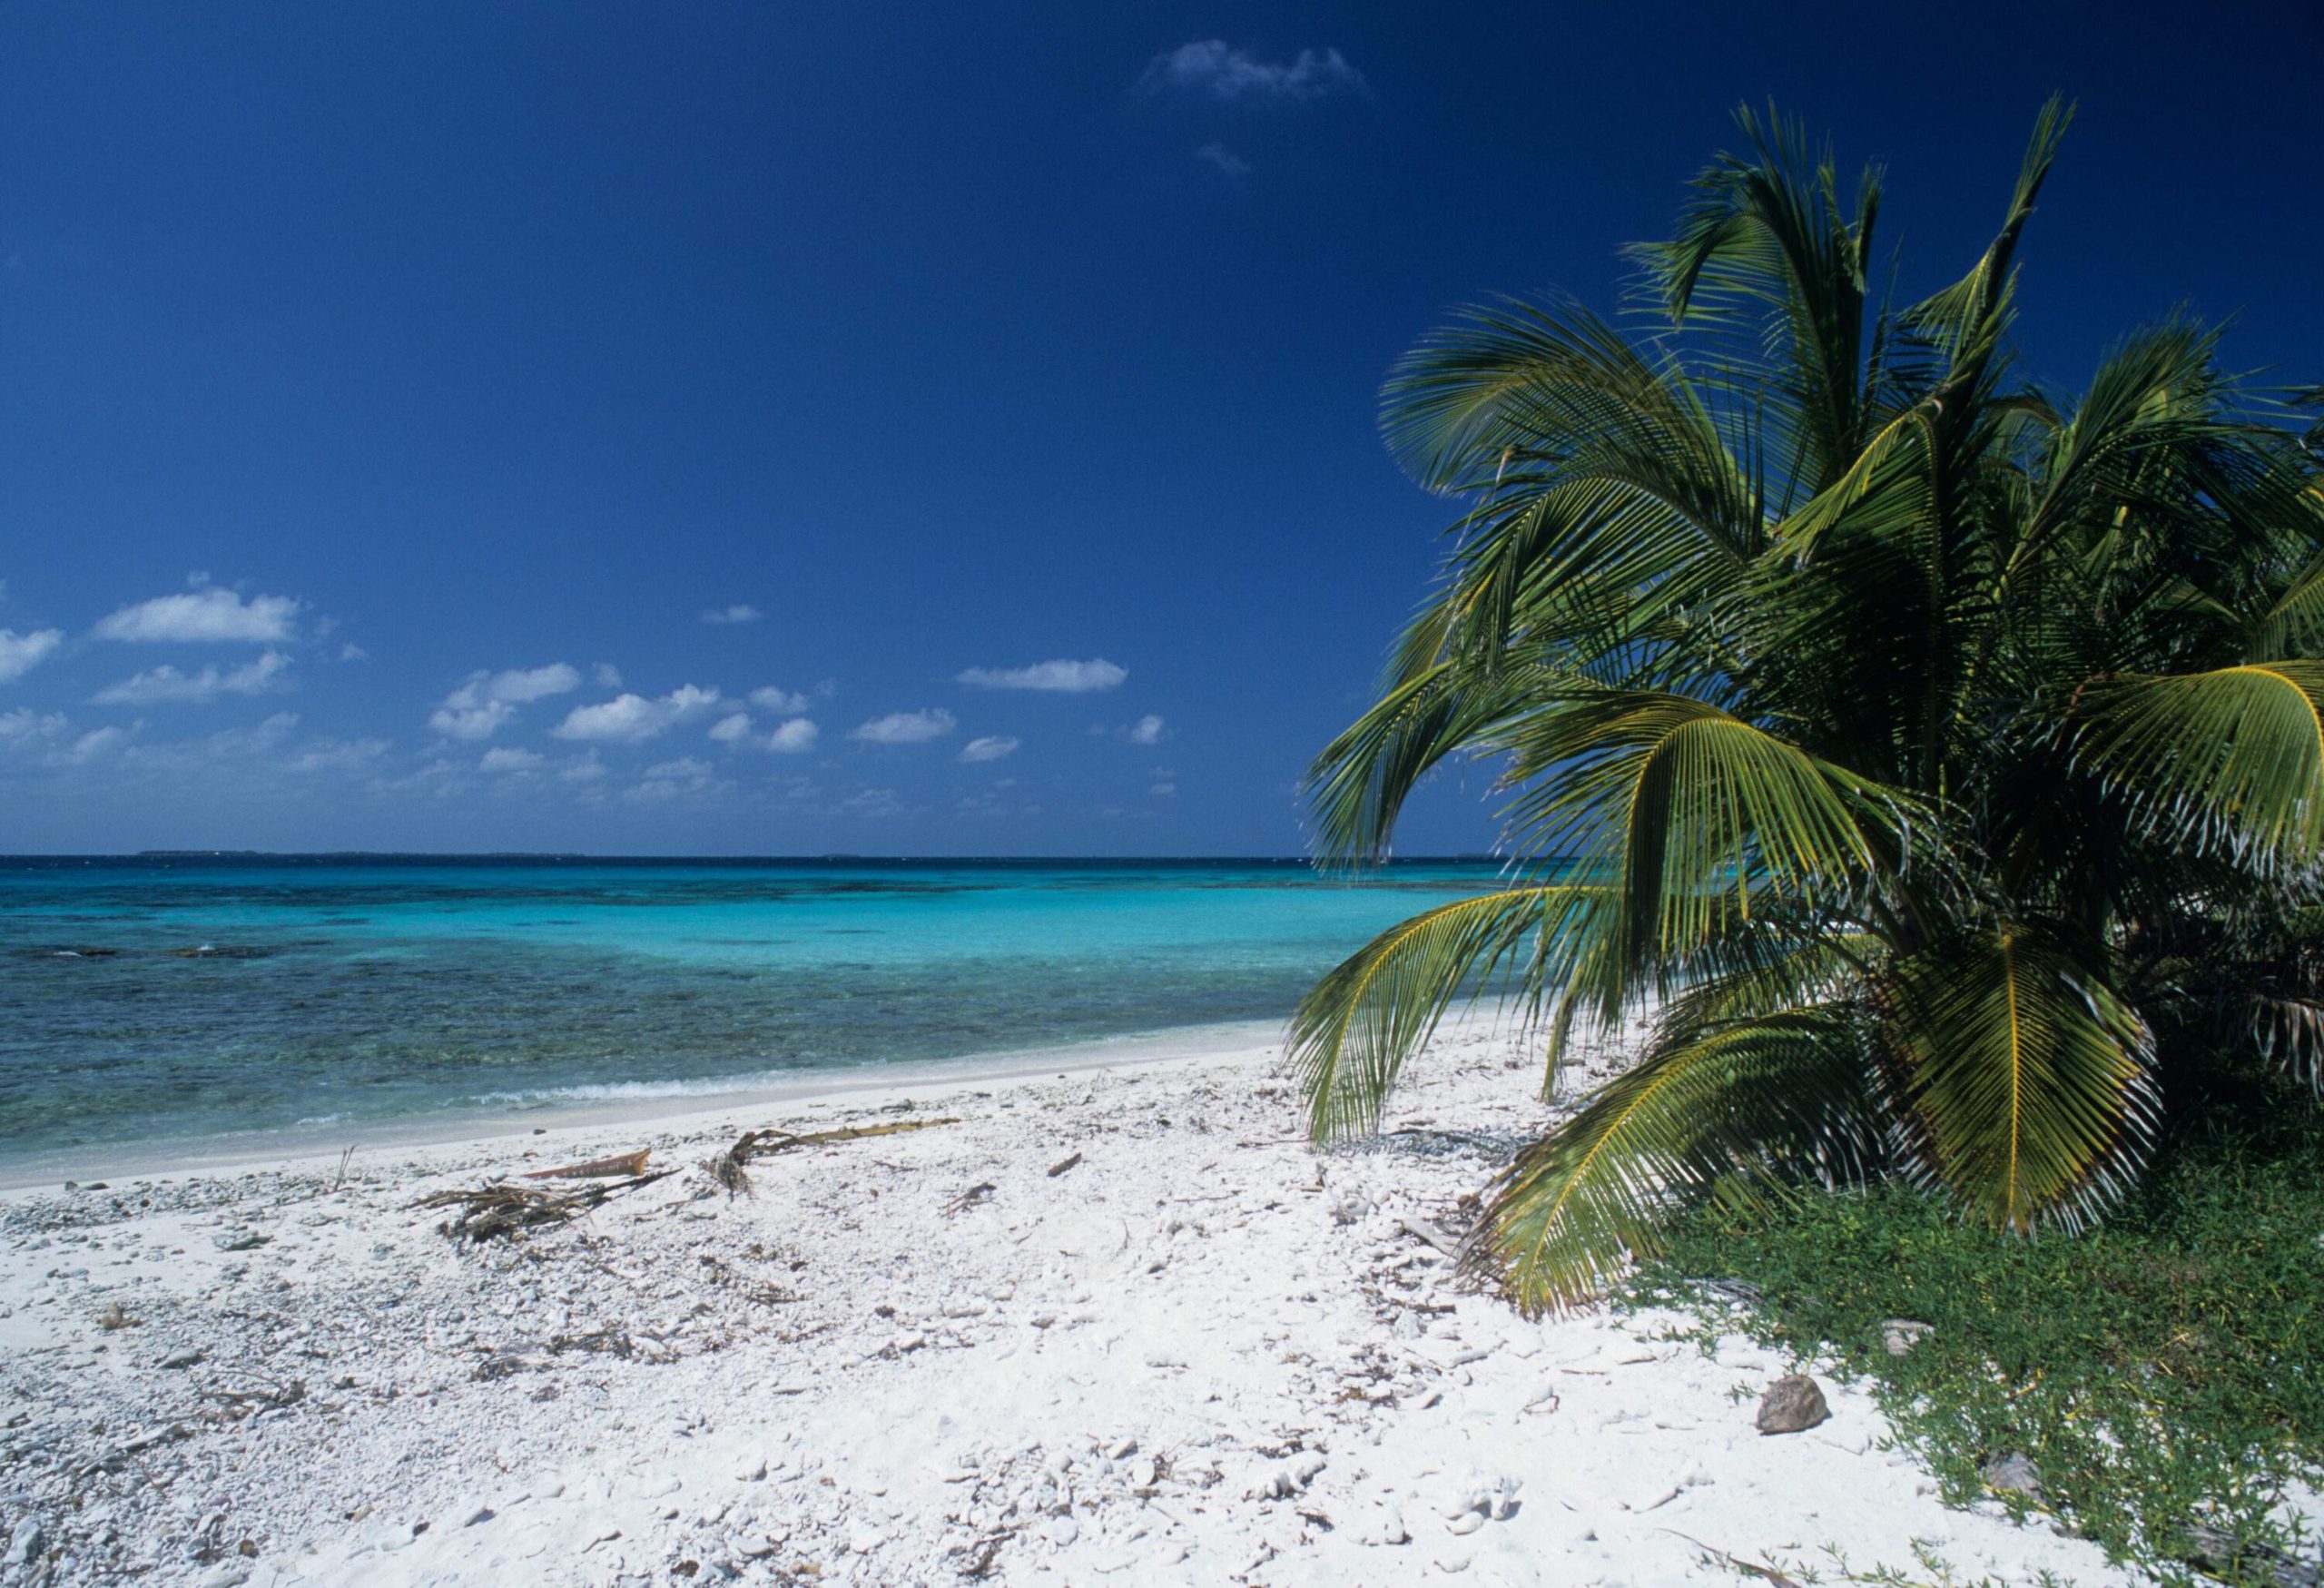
[[741, 612], [486, 701], [992, 747], [906, 727], [1060, 676], [1215, 69], [1148, 729], [631, 719]]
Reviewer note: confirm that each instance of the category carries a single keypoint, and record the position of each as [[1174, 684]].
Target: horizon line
[[1463, 856]]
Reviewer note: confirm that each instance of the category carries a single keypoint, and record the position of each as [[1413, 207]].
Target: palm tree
[[1936, 758]]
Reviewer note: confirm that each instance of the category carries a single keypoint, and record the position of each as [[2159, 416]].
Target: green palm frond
[[1767, 234], [2232, 759], [1355, 1029], [1699, 1109], [1359, 783], [2291, 624], [1692, 809], [1968, 319], [2028, 1080]]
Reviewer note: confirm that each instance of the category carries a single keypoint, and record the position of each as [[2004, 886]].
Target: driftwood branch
[[629, 1164], [728, 1168], [503, 1208]]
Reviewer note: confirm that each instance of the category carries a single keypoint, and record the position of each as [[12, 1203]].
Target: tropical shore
[[1119, 1325]]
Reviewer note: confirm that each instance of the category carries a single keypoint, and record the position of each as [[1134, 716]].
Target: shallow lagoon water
[[182, 999]]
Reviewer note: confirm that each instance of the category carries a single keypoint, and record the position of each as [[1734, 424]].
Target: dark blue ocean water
[[177, 999]]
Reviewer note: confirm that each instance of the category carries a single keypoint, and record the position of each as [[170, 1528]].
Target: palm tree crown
[[1938, 757]]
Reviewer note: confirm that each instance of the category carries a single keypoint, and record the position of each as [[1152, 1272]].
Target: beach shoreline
[[1121, 1327], [677, 1106]]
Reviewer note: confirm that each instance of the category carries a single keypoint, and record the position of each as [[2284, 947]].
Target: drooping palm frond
[[2291, 624], [1608, 498], [1359, 783], [1690, 809], [1355, 1029], [2026, 1079], [2232, 759], [1700, 1108]]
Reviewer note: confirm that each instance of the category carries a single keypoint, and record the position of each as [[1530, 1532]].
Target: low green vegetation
[[2165, 1372]]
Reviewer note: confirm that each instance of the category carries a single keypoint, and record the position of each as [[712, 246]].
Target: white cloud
[[1163, 790], [210, 613], [793, 737], [906, 727], [479, 708], [508, 760], [89, 745], [670, 780], [21, 653], [21, 726], [1215, 68], [528, 683], [990, 748], [781, 702], [466, 715], [583, 769], [1225, 160], [164, 684], [872, 802], [741, 612], [789, 738], [630, 719], [1065, 677], [1147, 730], [338, 755], [607, 675], [253, 741], [351, 652]]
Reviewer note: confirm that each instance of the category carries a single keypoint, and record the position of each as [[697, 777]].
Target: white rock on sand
[[1204, 1356]]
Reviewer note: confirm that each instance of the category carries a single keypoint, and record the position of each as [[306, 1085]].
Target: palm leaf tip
[[1352, 1032]]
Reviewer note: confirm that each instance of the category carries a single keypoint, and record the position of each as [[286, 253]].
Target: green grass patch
[[2163, 1371]]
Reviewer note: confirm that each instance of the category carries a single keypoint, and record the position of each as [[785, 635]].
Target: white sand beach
[[1113, 1326]]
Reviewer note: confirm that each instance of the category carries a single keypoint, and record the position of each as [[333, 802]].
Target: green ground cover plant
[[2163, 1372]]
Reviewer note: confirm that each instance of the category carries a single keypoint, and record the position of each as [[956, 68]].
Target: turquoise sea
[[193, 999]]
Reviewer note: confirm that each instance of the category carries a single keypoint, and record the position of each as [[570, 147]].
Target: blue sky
[[892, 429]]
